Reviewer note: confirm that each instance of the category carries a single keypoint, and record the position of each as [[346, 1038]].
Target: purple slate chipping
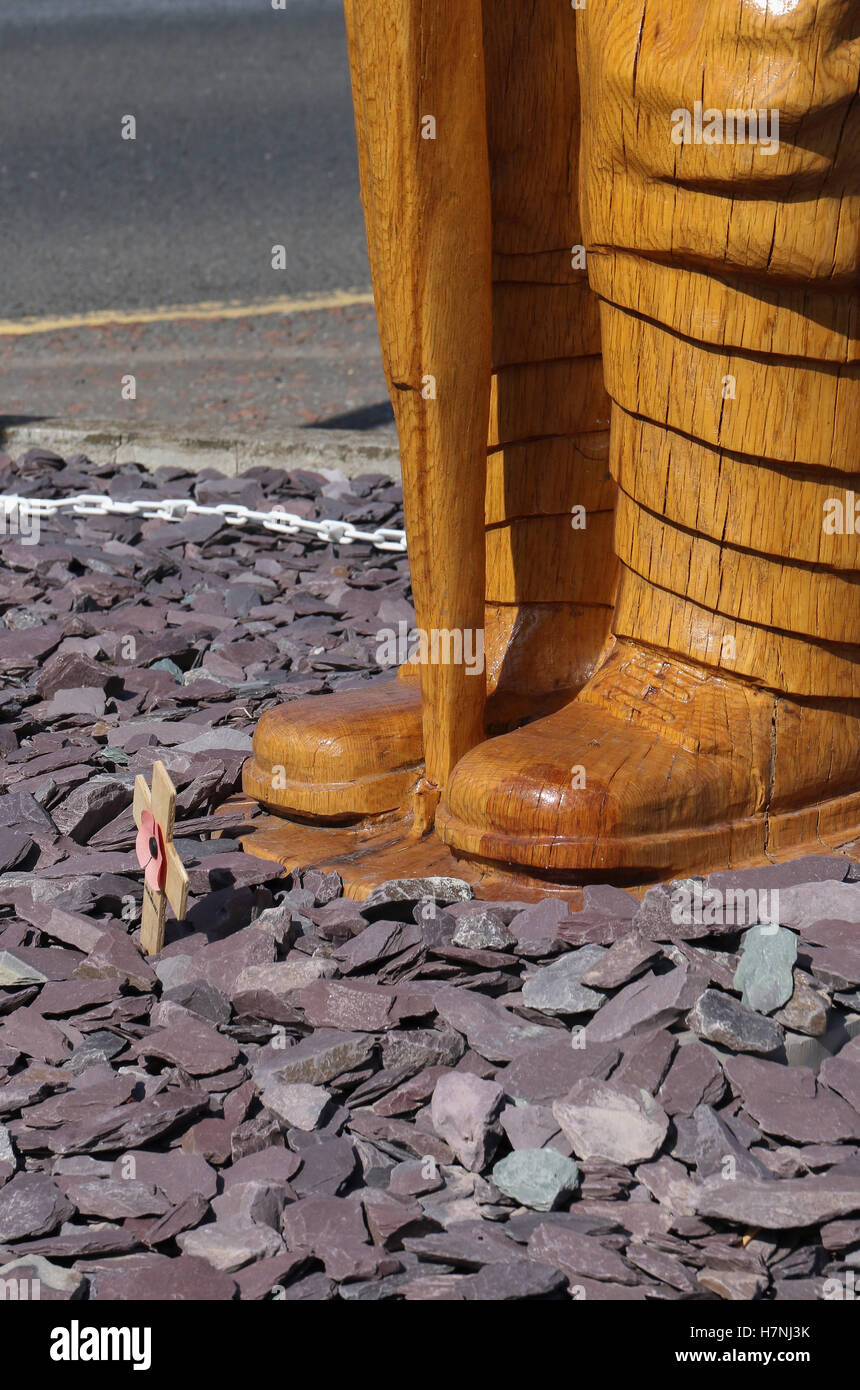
[[780, 1205], [613, 1121], [32, 1204], [193, 1045], [694, 1078], [719, 1018], [646, 1004], [465, 1112], [344, 1101]]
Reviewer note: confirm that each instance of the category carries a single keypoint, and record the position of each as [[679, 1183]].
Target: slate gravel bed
[[421, 1097]]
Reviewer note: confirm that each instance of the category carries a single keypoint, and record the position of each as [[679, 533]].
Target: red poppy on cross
[[164, 879]]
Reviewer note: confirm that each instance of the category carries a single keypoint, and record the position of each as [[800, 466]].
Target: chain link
[[231, 514]]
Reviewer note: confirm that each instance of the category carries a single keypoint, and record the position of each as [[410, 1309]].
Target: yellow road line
[[212, 309]]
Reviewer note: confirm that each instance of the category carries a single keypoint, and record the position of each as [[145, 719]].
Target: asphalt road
[[244, 141]]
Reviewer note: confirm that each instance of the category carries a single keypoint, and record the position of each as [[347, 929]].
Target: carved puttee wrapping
[[733, 470], [720, 158]]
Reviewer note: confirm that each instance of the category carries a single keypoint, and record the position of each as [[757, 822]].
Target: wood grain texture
[[548, 420], [427, 208], [772, 592], [783, 661], [368, 855], [748, 502], [657, 769], [724, 725], [340, 757], [784, 409], [788, 216], [718, 723], [549, 411], [518, 553], [549, 476]]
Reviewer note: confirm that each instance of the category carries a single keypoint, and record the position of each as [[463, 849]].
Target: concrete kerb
[[349, 452]]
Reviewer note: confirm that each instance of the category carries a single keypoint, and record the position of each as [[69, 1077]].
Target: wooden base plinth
[[366, 856]]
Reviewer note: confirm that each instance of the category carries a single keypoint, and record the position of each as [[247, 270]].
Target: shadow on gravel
[[369, 417]]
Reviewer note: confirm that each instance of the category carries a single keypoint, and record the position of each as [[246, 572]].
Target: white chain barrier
[[231, 514]]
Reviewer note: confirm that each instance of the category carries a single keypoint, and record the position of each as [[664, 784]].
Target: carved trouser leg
[[725, 724], [549, 588]]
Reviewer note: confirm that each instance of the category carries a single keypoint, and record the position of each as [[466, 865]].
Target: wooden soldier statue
[[677, 689]]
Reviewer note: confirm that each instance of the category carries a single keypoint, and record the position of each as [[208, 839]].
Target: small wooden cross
[[165, 880]]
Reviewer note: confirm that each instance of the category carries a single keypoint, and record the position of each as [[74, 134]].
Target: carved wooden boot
[[358, 756], [724, 726]]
